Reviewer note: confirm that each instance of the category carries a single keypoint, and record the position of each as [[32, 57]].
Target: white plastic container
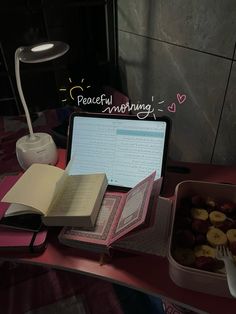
[[188, 277]]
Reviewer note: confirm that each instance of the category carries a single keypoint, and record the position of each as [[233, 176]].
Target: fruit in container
[[231, 235], [183, 208], [204, 250], [182, 222], [219, 266], [210, 203], [200, 238], [197, 201], [205, 263], [232, 215], [185, 238], [184, 256], [199, 225], [227, 207], [233, 224], [202, 223], [225, 225], [216, 217], [216, 237], [199, 213]]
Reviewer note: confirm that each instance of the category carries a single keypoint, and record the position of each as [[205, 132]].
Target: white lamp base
[[38, 149]]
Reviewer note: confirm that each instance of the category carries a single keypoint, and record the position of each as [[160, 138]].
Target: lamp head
[[42, 52]]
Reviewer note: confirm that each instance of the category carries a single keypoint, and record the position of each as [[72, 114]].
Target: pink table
[[142, 272]]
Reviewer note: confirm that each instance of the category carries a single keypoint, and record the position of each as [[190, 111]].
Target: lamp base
[[38, 149]]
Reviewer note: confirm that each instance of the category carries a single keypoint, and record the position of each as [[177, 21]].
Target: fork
[[224, 254]]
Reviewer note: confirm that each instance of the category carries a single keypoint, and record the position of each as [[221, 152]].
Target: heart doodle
[[172, 107], [181, 98]]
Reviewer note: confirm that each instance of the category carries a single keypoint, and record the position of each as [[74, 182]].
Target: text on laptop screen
[[126, 150]]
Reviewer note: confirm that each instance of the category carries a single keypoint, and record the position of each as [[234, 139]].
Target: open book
[[61, 199], [120, 214]]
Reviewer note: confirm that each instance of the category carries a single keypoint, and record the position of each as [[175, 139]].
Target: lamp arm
[[22, 98]]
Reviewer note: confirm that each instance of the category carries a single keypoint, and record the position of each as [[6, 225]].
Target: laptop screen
[[126, 148]]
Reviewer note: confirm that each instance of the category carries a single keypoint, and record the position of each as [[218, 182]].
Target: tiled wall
[[184, 47]]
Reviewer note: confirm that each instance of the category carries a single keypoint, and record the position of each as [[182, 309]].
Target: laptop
[[126, 148]]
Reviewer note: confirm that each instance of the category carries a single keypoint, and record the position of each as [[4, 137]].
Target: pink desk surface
[[142, 272]]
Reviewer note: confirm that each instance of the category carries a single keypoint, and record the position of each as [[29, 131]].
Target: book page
[[78, 196], [112, 203], [20, 209], [15, 209], [135, 208], [35, 188]]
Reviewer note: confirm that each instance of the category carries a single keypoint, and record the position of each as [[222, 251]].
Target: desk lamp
[[36, 147]]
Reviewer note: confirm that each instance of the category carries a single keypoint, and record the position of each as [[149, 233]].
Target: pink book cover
[[13, 239], [120, 213]]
